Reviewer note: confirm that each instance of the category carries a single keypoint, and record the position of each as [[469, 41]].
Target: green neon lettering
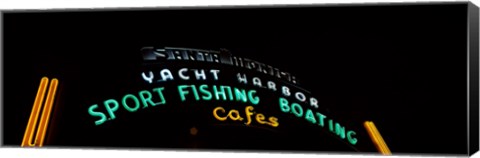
[[218, 93], [253, 99], [111, 109], [330, 125], [206, 94], [309, 116], [182, 92], [284, 105], [321, 119], [297, 110], [195, 93], [159, 90], [146, 100], [229, 90], [240, 94], [340, 130], [132, 97], [350, 139], [102, 116]]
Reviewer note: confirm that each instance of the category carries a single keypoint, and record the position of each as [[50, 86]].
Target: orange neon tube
[[32, 121], [47, 109], [373, 137], [377, 138], [380, 138]]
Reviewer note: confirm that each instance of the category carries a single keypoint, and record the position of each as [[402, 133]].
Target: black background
[[401, 66]]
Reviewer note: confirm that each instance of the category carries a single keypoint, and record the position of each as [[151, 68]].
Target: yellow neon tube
[[32, 121], [47, 109], [377, 138], [380, 138], [372, 136]]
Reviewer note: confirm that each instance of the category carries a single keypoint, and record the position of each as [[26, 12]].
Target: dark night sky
[[401, 66]]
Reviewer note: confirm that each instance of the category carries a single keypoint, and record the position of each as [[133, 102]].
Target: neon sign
[[143, 100], [183, 74], [204, 85], [249, 112], [210, 56], [216, 92]]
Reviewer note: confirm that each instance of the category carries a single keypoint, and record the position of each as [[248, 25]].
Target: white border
[[48, 4], [81, 153]]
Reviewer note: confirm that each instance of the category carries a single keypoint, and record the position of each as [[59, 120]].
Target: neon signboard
[[223, 93], [273, 78]]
